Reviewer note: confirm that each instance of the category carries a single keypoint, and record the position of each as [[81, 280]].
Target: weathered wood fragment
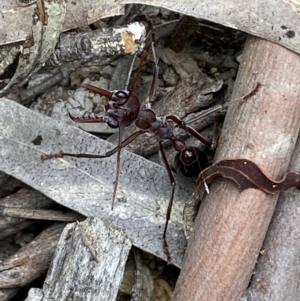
[[31, 261], [88, 264], [24, 198]]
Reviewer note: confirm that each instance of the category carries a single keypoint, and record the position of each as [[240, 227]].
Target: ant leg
[[117, 150], [116, 183], [155, 73], [132, 83], [168, 214], [189, 129], [81, 155], [125, 142], [138, 72]]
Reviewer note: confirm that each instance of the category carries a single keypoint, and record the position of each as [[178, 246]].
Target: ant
[[124, 109]]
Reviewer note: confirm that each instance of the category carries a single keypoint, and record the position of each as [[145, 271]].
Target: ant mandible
[[124, 109]]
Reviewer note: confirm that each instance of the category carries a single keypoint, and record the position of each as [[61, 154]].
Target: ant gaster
[[124, 109]]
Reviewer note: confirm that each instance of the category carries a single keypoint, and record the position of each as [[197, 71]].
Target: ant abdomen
[[190, 161]]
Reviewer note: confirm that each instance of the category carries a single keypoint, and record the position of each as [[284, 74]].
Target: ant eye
[[121, 94]]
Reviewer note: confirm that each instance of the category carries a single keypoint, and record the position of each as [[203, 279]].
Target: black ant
[[124, 109]]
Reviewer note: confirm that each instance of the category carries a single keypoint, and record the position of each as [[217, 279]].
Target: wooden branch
[[88, 264], [24, 198], [230, 226], [22, 208], [96, 44], [31, 261], [41, 214]]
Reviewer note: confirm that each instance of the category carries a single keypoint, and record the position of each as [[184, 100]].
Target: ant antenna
[[222, 107], [225, 105], [155, 73], [208, 112], [138, 72], [130, 72]]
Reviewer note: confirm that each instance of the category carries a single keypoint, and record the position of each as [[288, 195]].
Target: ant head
[[122, 109]]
